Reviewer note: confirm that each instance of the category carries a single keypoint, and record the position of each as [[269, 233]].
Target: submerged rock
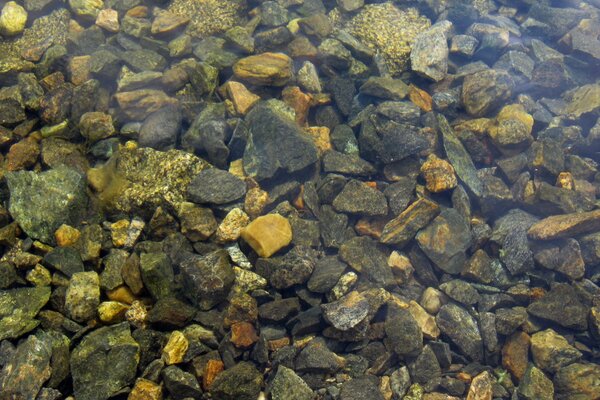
[[18, 308], [268, 234]]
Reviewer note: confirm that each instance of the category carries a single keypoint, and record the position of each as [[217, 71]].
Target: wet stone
[[562, 306], [486, 90], [264, 69], [326, 274], [515, 354], [268, 234], [551, 351], [12, 19], [157, 274], [346, 312], [286, 385], [83, 296], [403, 331], [216, 186], [347, 164], [385, 88], [18, 307], [578, 379], [460, 291], [461, 328], [369, 258], [359, 198], [242, 381], [564, 256], [316, 357], [181, 384], [161, 128], [65, 260], [565, 225], [429, 55], [535, 384]]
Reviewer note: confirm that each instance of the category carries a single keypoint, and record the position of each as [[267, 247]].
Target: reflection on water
[[300, 199]]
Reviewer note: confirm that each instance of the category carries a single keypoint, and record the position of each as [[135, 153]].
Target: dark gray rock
[[484, 91], [426, 367], [385, 88], [273, 14], [41, 202], [510, 232], [65, 260], [286, 385], [161, 128], [400, 194], [347, 312], [240, 382], [181, 384], [275, 143], [369, 258], [316, 357], [403, 331], [460, 291], [429, 53], [461, 328], [364, 387], [358, 198], [326, 274], [279, 310], [293, 268], [104, 362], [389, 142], [334, 227], [332, 52], [207, 279], [216, 186], [157, 274], [562, 306], [347, 164]]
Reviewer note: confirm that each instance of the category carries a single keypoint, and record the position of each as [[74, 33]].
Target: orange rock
[[166, 22], [299, 200], [243, 335], [277, 344], [515, 354], [137, 12], [240, 96], [268, 234], [22, 155], [66, 235], [320, 137], [371, 226], [121, 293], [145, 389], [420, 98], [299, 101], [212, 369], [79, 69], [439, 174]]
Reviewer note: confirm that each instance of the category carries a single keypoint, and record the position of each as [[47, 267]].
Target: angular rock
[[461, 328], [347, 312], [369, 258], [578, 381], [326, 274], [216, 186], [486, 90], [181, 384], [551, 351], [316, 357], [157, 274], [286, 385], [240, 382], [439, 174], [161, 128], [385, 88], [18, 307], [361, 387], [429, 55], [535, 385], [359, 198], [403, 331], [268, 234], [566, 225], [405, 226], [562, 306], [83, 296]]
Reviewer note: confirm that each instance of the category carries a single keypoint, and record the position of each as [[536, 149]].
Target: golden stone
[[268, 234]]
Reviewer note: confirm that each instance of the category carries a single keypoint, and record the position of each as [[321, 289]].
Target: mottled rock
[[535, 385], [578, 381], [83, 296], [429, 55], [369, 258], [515, 354], [216, 186], [403, 331], [18, 307], [551, 351], [157, 273], [316, 357], [359, 198], [181, 384], [240, 382], [138, 104], [405, 226], [12, 19], [264, 69], [461, 328], [347, 312], [486, 90], [566, 225], [439, 174], [161, 128], [562, 306], [286, 385], [385, 88]]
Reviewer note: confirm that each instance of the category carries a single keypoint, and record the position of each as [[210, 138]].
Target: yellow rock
[[119, 232], [516, 111], [145, 389], [268, 234], [320, 137], [122, 294], [175, 349], [111, 312], [264, 69], [66, 235], [425, 320], [255, 201], [231, 227]]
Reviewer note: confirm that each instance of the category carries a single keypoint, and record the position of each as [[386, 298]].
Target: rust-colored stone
[[420, 98], [22, 155], [515, 354], [212, 369], [240, 96], [320, 137], [243, 335], [299, 101], [439, 174], [145, 389]]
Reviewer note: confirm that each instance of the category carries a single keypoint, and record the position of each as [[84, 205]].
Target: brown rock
[[166, 22], [231, 227], [270, 69], [565, 180], [23, 154], [137, 12], [212, 369], [240, 96], [121, 294], [439, 174], [425, 321], [79, 69], [320, 137], [197, 223], [243, 335], [66, 235], [401, 267], [370, 226], [515, 354], [108, 19], [481, 387], [255, 201], [145, 389], [96, 126], [420, 98], [565, 225], [299, 101], [138, 104], [175, 349], [267, 234], [405, 226]]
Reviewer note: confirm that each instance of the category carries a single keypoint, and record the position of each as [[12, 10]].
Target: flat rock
[[578, 380], [403, 331], [535, 385], [316, 357], [359, 198], [561, 305], [18, 308], [347, 312], [485, 91], [326, 274], [369, 258], [429, 55], [566, 225], [385, 88], [240, 382], [362, 387], [461, 328], [216, 186], [551, 351], [405, 226], [286, 385], [264, 69], [267, 234]]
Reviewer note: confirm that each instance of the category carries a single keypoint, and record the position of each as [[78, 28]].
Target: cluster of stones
[[299, 199]]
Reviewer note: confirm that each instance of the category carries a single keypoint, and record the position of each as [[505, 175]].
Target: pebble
[[274, 69], [242, 98], [268, 234], [145, 389], [83, 296], [175, 349], [108, 19], [216, 186], [359, 198], [13, 18], [439, 174], [287, 385], [405, 226], [551, 351], [347, 312]]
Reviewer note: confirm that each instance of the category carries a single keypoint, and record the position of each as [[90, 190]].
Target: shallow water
[[299, 199]]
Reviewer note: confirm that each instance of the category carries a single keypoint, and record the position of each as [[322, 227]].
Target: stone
[[161, 129], [346, 312], [318, 358], [359, 198], [167, 22], [64, 259], [268, 234], [562, 256], [481, 387], [240, 38], [216, 186], [515, 354], [439, 174], [403, 331], [66, 235], [175, 349], [112, 312], [145, 389], [241, 97], [308, 78], [96, 126], [240, 382], [425, 321], [562, 306], [86, 9], [18, 307], [243, 335], [405, 226], [104, 362], [584, 99], [551, 351], [429, 55], [41, 202], [181, 384], [535, 385], [157, 274], [512, 132], [207, 279], [326, 274], [566, 225], [460, 291], [286, 385], [333, 53], [108, 19], [231, 227], [360, 388], [275, 143], [83, 296], [445, 240], [23, 154], [369, 258], [264, 69], [484, 91], [578, 380], [12, 19], [138, 104], [461, 328], [211, 371]]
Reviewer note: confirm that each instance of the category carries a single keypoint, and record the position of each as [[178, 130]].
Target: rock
[[429, 55], [359, 198], [369, 258], [175, 349], [268, 234], [293, 268], [361, 388], [157, 274], [486, 90], [22, 155], [279, 310], [138, 104], [96, 126], [181, 384], [562, 306], [232, 225], [326, 274], [216, 186], [464, 45], [425, 367], [167, 22], [145, 389], [333, 53], [535, 385], [403, 331], [240, 38], [12, 19], [275, 143], [86, 9], [65, 260], [481, 387], [240, 382], [41, 202], [270, 69], [308, 78], [347, 312], [286, 385], [18, 307], [388, 30], [208, 278], [510, 231], [566, 225], [317, 358], [171, 312], [551, 351], [108, 19], [445, 240], [584, 99], [348, 164], [515, 354], [439, 174], [241, 97], [405, 226], [578, 380], [512, 132], [161, 128], [563, 256], [460, 291], [83, 296], [461, 328], [112, 312], [104, 362]]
